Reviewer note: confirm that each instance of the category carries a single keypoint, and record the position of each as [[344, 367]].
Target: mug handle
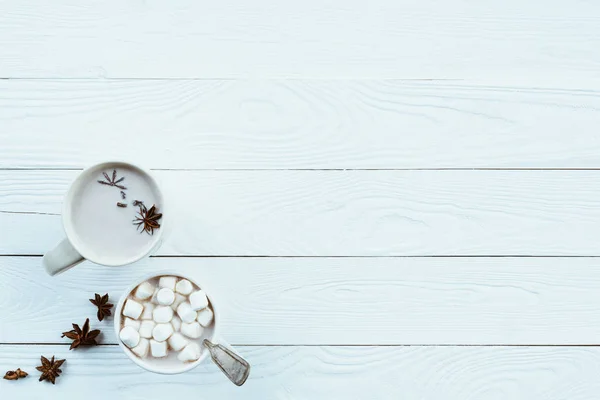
[[232, 364], [61, 258]]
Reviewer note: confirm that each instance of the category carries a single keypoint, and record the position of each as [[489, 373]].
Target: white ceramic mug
[[75, 249], [231, 364]]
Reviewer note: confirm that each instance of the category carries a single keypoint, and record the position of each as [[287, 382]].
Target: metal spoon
[[233, 365]]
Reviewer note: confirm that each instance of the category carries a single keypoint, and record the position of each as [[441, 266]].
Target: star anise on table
[[50, 369], [15, 375], [82, 336], [103, 305], [113, 181], [147, 219]]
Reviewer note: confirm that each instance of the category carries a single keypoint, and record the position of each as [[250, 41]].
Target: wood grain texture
[[296, 124], [534, 41], [338, 213], [333, 301], [410, 373]]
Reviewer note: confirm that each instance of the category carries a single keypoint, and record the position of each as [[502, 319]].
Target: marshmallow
[[178, 300], [132, 309], [162, 332], [186, 313], [184, 287], [146, 328], [144, 291], [198, 300], [148, 309], [132, 323], [162, 314], [176, 322], [142, 348], [158, 349], [191, 352], [192, 330], [165, 297], [205, 317], [154, 299], [129, 336], [177, 341], [167, 282]]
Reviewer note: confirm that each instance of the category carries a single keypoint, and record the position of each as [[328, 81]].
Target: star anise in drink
[[103, 305], [147, 219], [113, 181], [82, 336], [50, 369]]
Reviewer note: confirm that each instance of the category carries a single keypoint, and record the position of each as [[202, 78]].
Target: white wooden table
[[393, 199]]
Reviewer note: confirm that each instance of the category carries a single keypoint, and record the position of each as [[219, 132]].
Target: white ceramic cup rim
[[67, 214], [146, 365]]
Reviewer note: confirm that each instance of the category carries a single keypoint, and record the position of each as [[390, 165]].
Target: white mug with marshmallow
[[100, 230], [230, 363]]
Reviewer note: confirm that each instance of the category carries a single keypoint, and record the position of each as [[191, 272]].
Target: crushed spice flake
[[15, 375]]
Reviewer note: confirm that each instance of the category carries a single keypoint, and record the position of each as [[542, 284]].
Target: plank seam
[[391, 256], [316, 169], [124, 78], [337, 256], [332, 345]]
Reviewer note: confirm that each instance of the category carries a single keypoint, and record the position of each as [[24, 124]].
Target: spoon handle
[[233, 365]]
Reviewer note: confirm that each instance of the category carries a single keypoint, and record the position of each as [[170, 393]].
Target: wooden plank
[[535, 40], [338, 213], [412, 373], [304, 301], [296, 124]]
